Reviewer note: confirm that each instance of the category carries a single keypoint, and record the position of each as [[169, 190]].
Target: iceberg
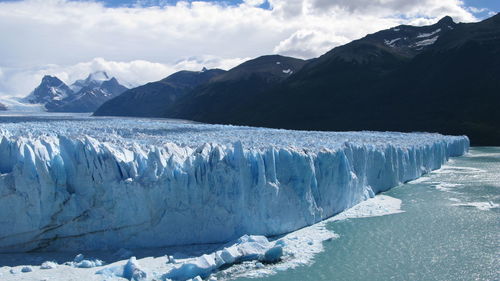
[[130, 271], [107, 184], [246, 248]]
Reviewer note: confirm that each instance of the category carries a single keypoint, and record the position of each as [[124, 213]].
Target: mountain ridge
[[432, 91], [406, 78], [84, 95], [234, 88], [151, 99]]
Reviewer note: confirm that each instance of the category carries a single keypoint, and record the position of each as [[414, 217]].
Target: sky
[[139, 41]]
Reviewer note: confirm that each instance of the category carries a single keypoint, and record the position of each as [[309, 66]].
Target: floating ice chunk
[[273, 255], [201, 266], [131, 271], [78, 258], [48, 265], [246, 248], [26, 269], [80, 262], [89, 263], [483, 206], [444, 186]]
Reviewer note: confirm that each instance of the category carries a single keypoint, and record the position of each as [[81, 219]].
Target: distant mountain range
[[84, 95], [3, 107], [152, 99], [443, 77], [187, 94]]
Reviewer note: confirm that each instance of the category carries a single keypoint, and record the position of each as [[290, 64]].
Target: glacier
[[106, 183]]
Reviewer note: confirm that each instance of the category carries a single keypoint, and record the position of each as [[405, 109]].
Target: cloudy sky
[[145, 40]]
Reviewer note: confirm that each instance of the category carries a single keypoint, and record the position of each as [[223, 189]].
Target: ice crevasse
[[89, 186]]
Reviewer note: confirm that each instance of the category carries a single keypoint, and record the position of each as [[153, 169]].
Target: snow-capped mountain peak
[[403, 40], [51, 88], [94, 80], [85, 95]]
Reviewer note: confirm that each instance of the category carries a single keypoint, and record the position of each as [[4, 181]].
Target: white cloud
[[140, 44], [20, 82], [306, 43], [477, 10]]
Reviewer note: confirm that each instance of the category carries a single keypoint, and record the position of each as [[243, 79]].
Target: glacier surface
[[104, 183]]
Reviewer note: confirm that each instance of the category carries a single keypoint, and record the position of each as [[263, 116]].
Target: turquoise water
[[450, 230]]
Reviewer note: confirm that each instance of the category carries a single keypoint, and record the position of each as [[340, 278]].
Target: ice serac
[[87, 185]]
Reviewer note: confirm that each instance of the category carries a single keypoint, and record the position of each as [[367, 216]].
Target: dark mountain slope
[[226, 93], [3, 107], [451, 85], [152, 99], [348, 67]]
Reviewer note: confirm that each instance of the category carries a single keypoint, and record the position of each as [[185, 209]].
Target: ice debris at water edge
[[123, 183], [245, 257]]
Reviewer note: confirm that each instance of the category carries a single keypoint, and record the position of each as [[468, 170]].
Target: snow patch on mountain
[[390, 43], [424, 35], [425, 42]]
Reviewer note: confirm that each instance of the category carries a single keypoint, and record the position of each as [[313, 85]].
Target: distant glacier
[[97, 184]]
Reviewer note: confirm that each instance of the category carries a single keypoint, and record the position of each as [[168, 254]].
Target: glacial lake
[[450, 230]]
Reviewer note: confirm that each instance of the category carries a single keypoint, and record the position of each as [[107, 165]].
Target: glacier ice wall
[[97, 184]]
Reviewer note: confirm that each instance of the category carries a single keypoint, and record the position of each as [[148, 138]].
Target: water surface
[[450, 230]]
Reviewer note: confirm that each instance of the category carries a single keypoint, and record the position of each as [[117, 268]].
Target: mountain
[[3, 107], [152, 99], [233, 89], [226, 97], [50, 89], [444, 78], [82, 96], [94, 80]]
